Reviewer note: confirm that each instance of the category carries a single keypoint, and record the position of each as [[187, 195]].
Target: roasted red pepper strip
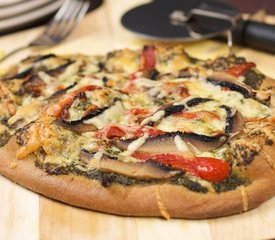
[[60, 109], [148, 57], [139, 111], [239, 69], [198, 115], [152, 132], [148, 60], [210, 169], [116, 131]]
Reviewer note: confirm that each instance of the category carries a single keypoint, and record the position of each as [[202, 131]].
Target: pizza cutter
[[192, 20]]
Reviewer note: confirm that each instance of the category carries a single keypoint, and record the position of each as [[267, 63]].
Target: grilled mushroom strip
[[166, 142], [78, 127], [171, 109], [234, 120], [142, 170], [86, 123], [231, 82]]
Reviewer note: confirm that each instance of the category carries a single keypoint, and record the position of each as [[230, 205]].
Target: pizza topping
[[210, 169], [138, 170], [248, 107], [60, 109], [253, 79], [109, 114], [230, 183], [148, 58], [240, 69], [166, 143], [181, 145], [164, 131], [148, 62], [154, 118], [230, 83], [5, 136], [28, 113], [234, 120], [81, 105], [127, 132], [77, 127], [199, 115]]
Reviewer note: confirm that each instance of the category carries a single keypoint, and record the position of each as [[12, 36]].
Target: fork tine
[[75, 18], [63, 9], [64, 25], [65, 20], [62, 15]]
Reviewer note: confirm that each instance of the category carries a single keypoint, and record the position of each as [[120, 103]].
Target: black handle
[[256, 35]]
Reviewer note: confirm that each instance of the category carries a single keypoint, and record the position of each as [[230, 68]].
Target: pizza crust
[[165, 200]]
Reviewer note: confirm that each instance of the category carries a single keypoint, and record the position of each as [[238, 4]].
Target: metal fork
[[63, 23]]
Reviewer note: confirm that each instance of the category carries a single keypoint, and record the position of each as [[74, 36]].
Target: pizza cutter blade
[[175, 20], [192, 20]]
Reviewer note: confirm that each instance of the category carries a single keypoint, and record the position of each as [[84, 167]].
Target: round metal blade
[[152, 20]]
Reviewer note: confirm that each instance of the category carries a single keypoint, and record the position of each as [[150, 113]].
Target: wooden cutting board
[[26, 215]]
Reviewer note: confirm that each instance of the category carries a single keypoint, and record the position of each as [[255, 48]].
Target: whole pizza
[[149, 132]]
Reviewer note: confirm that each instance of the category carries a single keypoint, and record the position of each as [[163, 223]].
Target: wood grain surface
[[26, 215]]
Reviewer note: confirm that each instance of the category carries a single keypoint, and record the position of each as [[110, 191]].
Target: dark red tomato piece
[[148, 57], [198, 115], [152, 132], [239, 69], [111, 131], [61, 108]]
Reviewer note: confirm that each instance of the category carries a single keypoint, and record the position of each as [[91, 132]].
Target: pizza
[[148, 132]]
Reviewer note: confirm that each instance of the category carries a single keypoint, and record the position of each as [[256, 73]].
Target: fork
[[63, 23]]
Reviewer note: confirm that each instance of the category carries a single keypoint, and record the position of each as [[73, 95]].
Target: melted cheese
[[135, 145], [3, 128], [173, 124], [111, 115], [28, 112], [180, 144], [154, 118], [247, 106]]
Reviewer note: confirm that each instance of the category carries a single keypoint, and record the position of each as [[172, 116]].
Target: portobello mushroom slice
[[171, 109], [166, 143], [234, 120], [141, 170], [13, 74], [94, 120], [78, 127], [226, 80]]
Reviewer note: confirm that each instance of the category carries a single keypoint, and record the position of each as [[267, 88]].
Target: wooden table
[[27, 215]]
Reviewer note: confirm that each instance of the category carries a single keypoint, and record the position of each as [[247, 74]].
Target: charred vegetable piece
[[231, 82], [166, 142], [172, 109], [240, 69], [234, 119], [141, 170], [210, 169], [148, 59]]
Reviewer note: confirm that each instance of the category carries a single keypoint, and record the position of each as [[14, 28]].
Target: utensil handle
[[256, 35]]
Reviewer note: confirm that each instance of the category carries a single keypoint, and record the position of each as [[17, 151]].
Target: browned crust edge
[[148, 200]]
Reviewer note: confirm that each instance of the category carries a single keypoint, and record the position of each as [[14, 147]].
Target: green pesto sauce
[[107, 178], [230, 183], [253, 79], [4, 138]]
